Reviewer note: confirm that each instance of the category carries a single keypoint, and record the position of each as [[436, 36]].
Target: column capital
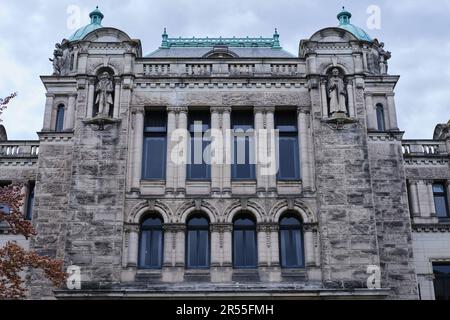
[[221, 227], [139, 109], [268, 109], [257, 110], [73, 95], [174, 227], [216, 109], [302, 109], [177, 109], [134, 227], [50, 95], [311, 227], [267, 227]]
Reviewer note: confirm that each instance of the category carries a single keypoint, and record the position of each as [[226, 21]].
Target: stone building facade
[[363, 197]]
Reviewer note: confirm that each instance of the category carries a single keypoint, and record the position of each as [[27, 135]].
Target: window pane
[[60, 119], [203, 245], [286, 121], [238, 248], [291, 243], [250, 248], [243, 166], [441, 281], [440, 203], [154, 159], [155, 121], [192, 248], [380, 118], [288, 158], [198, 169], [438, 188]]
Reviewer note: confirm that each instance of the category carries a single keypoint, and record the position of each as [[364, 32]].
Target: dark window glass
[[441, 281], [440, 200], [291, 243], [198, 250], [243, 150], [199, 167], [59, 127], [155, 146], [30, 202], [288, 155], [151, 244], [244, 243], [380, 118]]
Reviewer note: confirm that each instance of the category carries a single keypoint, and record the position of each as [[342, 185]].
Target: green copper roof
[[96, 23], [247, 42], [344, 23]]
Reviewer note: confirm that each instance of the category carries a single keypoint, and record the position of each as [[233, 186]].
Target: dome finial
[[344, 16], [96, 16]]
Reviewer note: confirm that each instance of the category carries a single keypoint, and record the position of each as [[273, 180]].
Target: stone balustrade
[[424, 148], [220, 68], [19, 149]]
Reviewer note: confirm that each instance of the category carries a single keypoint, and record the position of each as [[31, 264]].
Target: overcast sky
[[417, 32]]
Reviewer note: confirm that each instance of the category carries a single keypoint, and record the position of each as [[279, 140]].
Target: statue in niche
[[57, 59], [104, 92], [337, 93]]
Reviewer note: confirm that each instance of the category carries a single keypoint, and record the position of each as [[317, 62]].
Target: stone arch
[[101, 67], [251, 207], [298, 207], [190, 207], [330, 66], [333, 34], [138, 212]]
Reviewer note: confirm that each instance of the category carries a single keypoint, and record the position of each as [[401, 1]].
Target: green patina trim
[[194, 42]]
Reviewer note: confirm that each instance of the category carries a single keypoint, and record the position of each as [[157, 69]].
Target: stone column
[[263, 232], [227, 234], [432, 210], [274, 246], [324, 97], [170, 165], [392, 112], [414, 198], [182, 124], [270, 126], [69, 121], [370, 111], [226, 168], [117, 99], [310, 259], [215, 167], [180, 244], [169, 254], [91, 95], [304, 150], [138, 141], [259, 125], [48, 112], [133, 245], [351, 102]]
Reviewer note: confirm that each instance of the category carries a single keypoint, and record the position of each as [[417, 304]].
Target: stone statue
[[57, 59], [337, 93], [384, 56], [104, 92]]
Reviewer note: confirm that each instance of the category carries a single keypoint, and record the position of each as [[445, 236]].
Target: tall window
[[30, 201], [59, 126], [4, 207], [198, 250], [243, 153], [199, 167], [155, 146], [151, 243], [244, 242], [288, 151], [380, 117], [441, 281], [291, 242], [440, 200]]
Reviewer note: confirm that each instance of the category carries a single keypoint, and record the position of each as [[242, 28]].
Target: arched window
[[244, 242], [380, 118], [151, 243], [291, 242], [59, 126], [198, 249]]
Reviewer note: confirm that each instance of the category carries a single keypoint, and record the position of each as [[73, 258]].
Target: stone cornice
[[432, 227]]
